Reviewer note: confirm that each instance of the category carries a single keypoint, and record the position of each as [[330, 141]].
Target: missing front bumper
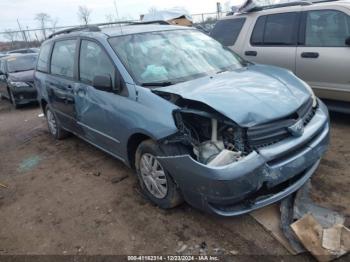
[[254, 181]]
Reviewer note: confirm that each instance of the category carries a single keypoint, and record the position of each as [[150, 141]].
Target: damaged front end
[[227, 172], [211, 138]]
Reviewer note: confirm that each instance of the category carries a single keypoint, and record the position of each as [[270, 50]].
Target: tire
[[53, 125], [169, 195], [12, 99]]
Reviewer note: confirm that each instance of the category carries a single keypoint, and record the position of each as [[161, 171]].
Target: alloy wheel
[[51, 120], [153, 176]]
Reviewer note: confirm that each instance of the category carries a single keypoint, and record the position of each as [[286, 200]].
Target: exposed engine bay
[[214, 139]]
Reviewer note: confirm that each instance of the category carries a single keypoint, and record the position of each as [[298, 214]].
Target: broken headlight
[[215, 141]]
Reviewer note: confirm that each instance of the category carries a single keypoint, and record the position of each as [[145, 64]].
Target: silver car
[[311, 40]]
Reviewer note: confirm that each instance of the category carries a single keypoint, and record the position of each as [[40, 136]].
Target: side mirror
[[103, 83], [347, 41]]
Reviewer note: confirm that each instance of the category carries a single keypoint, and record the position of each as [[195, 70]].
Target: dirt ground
[[60, 200]]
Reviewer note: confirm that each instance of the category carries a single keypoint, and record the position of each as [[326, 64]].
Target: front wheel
[[13, 100], [155, 181], [54, 126]]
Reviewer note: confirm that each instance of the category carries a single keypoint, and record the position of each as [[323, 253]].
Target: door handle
[[251, 53], [310, 55]]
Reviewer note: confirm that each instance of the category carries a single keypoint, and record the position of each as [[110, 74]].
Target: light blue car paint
[[268, 94]]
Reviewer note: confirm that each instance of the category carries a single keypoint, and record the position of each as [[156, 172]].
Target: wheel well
[[134, 141], [43, 104]]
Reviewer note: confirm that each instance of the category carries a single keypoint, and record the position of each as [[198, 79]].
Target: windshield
[[172, 56], [21, 63]]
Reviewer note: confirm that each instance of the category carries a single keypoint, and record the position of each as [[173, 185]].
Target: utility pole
[[29, 38], [23, 33], [116, 9], [218, 9]]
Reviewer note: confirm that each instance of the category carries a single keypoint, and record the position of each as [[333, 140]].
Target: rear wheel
[[54, 126], [155, 181]]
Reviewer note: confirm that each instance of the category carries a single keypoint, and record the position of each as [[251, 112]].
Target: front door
[[98, 112], [61, 82], [323, 60]]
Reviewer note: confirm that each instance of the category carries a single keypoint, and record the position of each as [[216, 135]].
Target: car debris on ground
[[2, 185], [300, 226]]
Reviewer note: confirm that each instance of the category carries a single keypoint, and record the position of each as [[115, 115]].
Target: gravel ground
[[60, 200]]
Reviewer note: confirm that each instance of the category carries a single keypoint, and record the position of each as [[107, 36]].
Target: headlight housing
[[18, 84], [314, 98]]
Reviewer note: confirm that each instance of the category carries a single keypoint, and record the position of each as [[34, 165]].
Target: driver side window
[[94, 62]]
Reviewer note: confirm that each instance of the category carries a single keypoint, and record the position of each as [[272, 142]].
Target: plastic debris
[[303, 205], [314, 238], [2, 185]]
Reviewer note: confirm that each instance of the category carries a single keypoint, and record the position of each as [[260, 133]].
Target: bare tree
[[84, 14], [227, 6], [43, 19], [10, 35], [152, 10], [110, 18], [53, 24]]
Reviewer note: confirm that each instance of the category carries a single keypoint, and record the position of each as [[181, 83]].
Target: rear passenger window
[[43, 58], [227, 31], [276, 30], [327, 28], [63, 54], [94, 62], [258, 32]]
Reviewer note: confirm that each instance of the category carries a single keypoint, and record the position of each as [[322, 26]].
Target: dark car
[[194, 120], [16, 79]]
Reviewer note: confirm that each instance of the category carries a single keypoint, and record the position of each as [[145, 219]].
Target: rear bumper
[[260, 179]]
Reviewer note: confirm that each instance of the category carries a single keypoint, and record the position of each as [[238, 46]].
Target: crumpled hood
[[250, 96], [25, 76]]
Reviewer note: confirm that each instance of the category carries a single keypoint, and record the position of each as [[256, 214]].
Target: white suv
[[310, 39]]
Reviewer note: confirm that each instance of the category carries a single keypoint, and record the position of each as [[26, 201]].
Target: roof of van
[[136, 29], [276, 8], [116, 30]]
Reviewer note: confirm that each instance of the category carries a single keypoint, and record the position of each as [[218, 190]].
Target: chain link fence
[[27, 38]]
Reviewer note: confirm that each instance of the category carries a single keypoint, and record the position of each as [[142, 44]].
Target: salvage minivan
[[194, 120]]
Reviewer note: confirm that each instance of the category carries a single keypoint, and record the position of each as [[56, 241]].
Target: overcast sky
[[66, 10]]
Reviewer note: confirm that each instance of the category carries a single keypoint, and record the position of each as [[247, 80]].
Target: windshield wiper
[[158, 84]]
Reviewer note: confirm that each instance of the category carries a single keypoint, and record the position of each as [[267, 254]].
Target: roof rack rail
[[155, 22], [114, 23], [261, 8], [323, 1], [88, 28], [96, 27]]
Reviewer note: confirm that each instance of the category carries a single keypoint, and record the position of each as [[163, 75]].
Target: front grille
[[274, 132]]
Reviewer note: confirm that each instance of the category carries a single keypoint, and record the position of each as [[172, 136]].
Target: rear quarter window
[[227, 31], [43, 59]]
